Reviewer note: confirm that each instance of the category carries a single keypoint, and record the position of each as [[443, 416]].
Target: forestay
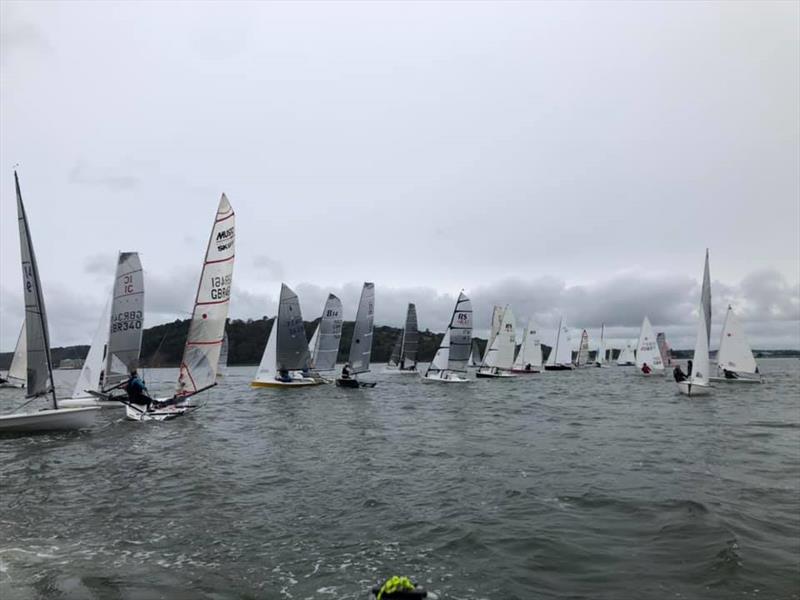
[[329, 334], [201, 353], [361, 344], [735, 353], [647, 350], [292, 352], [40, 369], [127, 317], [89, 379]]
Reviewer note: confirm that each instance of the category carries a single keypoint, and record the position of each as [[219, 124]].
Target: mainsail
[[397, 350], [601, 349], [198, 369], [706, 300], [410, 338], [500, 354], [561, 352], [699, 372], [582, 358], [329, 333], [626, 355], [292, 348], [361, 344], [127, 316], [647, 348], [454, 349], [735, 353], [40, 367], [530, 352], [663, 349], [19, 362]]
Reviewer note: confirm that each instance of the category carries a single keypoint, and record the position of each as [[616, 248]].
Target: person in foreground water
[[399, 588], [137, 391], [646, 369]]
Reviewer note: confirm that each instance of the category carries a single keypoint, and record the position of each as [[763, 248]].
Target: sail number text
[[126, 321], [220, 287]]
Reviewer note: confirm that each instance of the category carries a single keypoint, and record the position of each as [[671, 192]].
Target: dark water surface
[[591, 484]]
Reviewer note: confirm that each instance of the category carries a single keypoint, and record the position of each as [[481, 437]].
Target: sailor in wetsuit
[[137, 391], [730, 374], [346, 371], [678, 374], [646, 369]]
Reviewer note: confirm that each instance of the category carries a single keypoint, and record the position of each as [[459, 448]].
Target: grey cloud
[[273, 269], [106, 177], [101, 265], [20, 36]]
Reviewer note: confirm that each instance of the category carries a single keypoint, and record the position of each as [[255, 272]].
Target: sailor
[[283, 375], [689, 368], [646, 369], [346, 371], [678, 374], [528, 367], [137, 391], [729, 374]]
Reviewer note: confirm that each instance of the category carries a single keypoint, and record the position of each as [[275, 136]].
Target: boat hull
[[500, 375], [60, 419], [354, 383], [9, 384], [399, 371], [737, 380], [525, 371], [167, 413], [688, 388], [304, 382], [89, 401], [558, 367], [444, 377]]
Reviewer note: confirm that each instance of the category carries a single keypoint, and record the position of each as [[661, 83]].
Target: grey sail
[[460, 334], [410, 337], [706, 298], [127, 317], [40, 368], [394, 358], [330, 333], [361, 345], [292, 352]]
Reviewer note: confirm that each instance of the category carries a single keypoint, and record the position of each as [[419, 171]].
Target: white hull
[[88, 401], [296, 382], [693, 389], [138, 413], [61, 419], [444, 377], [8, 384], [740, 379]]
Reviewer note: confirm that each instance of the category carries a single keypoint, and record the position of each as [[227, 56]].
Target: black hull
[[557, 368], [353, 383]]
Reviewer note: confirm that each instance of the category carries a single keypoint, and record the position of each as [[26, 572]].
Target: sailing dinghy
[[450, 361], [600, 357], [529, 357], [286, 359], [648, 355], [499, 357], [15, 378], [324, 344], [117, 343], [560, 358], [627, 357], [697, 383], [361, 344], [404, 352], [582, 356], [735, 361], [198, 369], [39, 375]]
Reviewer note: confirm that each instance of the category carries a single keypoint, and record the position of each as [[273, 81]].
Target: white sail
[[735, 353], [441, 359], [313, 346], [127, 318], [500, 354], [582, 357], [600, 359], [626, 356], [647, 350], [699, 373], [17, 372], [90, 377], [267, 368], [198, 369], [361, 344], [530, 352], [40, 367], [561, 352], [663, 348]]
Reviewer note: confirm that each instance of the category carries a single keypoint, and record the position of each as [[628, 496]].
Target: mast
[[558, 337]]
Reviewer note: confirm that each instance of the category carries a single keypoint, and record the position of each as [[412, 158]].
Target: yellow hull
[[285, 384]]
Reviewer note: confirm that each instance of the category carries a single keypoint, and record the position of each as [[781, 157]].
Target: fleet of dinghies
[[290, 360]]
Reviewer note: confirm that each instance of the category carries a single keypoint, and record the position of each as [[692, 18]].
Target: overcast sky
[[560, 157]]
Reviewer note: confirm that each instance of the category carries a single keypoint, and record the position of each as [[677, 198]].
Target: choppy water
[[590, 484]]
